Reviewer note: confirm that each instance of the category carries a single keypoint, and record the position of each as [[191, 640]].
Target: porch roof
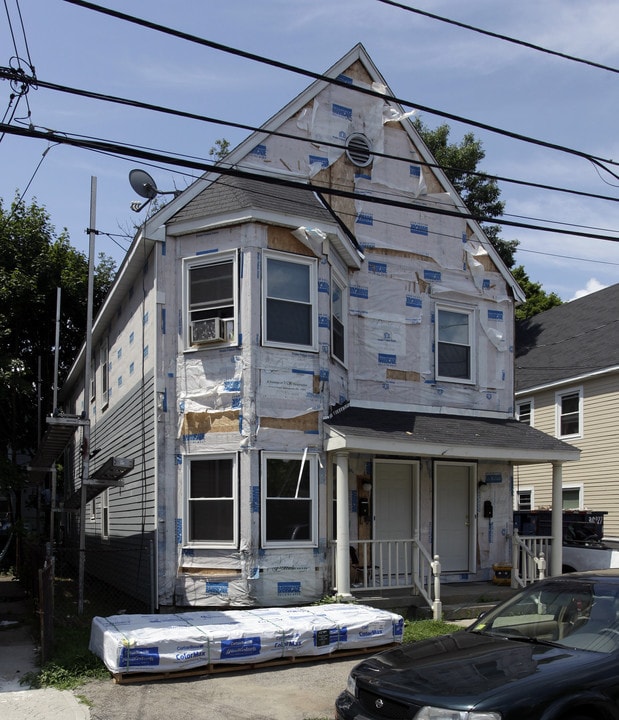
[[446, 436]]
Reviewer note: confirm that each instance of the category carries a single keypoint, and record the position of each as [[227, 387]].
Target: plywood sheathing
[[224, 421], [281, 239], [304, 423]]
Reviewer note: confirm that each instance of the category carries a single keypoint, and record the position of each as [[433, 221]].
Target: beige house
[[567, 385]]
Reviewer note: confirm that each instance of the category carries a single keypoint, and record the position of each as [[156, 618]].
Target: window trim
[[312, 459], [528, 489], [524, 401], [312, 265], [470, 313], [581, 493], [189, 263], [559, 396], [336, 279], [187, 461]]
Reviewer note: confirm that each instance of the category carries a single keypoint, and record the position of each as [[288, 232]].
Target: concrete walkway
[[18, 657]]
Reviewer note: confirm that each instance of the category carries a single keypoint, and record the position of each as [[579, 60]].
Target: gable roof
[[446, 436], [571, 341]]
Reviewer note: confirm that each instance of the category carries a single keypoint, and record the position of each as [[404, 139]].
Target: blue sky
[[425, 61]]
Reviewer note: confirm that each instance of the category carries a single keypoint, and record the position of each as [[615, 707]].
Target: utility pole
[[87, 372]]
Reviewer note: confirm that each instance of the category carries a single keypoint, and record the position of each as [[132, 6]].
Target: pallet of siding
[[208, 670], [202, 641]]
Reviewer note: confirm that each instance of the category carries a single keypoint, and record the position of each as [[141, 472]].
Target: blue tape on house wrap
[[419, 229], [359, 292], [364, 219], [433, 275], [412, 301], [495, 315], [341, 111], [319, 159]]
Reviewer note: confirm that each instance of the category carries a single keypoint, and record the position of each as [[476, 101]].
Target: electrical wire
[[157, 156], [243, 126], [339, 82], [499, 36]]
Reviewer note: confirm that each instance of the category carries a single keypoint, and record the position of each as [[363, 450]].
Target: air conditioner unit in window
[[206, 331]]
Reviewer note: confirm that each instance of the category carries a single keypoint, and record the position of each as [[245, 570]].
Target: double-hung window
[[211, 501], [338, 320], [569, 413], [454, 344], [524, 411], [289, 501], [210, 299], [289, 301]]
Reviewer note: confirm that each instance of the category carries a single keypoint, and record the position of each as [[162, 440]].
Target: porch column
[[342, 556], [556, 553]]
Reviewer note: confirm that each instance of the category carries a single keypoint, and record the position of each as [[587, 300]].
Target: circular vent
[[358, 150]]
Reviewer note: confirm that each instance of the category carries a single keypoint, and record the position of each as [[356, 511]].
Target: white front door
[[395, 505], [454, 516]]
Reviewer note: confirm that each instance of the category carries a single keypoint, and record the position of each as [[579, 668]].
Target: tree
[[34, 262], [537, 299], [481, 194]]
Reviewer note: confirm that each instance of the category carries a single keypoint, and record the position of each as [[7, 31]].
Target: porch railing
[[530, 555], [398, 564]]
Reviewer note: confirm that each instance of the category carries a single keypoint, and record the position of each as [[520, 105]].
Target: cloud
[[592, 286]]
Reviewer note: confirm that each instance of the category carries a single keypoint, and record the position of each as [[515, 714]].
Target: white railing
[[530, 554], [402, 563]]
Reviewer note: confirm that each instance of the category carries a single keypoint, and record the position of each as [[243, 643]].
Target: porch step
[[460, 601]]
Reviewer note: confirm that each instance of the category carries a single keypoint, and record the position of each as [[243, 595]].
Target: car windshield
[[578, 614]]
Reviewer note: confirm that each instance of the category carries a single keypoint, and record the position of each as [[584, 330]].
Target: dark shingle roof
[[230, 194], [570, 340], [489, 437]]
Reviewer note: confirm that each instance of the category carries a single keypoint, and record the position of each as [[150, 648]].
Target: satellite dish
[[143, 184]]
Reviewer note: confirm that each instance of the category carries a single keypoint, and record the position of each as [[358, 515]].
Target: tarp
[[184, 641]]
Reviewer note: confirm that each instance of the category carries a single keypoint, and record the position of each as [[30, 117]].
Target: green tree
[[34, 262], [537, 299], [481, 194]]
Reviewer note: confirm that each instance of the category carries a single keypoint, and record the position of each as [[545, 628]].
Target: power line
[[337, 81], [157, 156], [499, 36], [8, 74]]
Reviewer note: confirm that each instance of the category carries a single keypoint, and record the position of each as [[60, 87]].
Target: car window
[[578, 614]]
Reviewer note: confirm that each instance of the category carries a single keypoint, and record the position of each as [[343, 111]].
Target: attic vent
[[358, 150]]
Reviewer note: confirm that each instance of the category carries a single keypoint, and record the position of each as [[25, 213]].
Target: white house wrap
[[184, 641]]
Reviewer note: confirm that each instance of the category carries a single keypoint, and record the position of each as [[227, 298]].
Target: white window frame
[[470, 314], [337, 282], [559, 397], [530, 491], [519, 404], [234, 499], [311, 264], [229, 325], [306, 459], [104, 361], [580, 488]]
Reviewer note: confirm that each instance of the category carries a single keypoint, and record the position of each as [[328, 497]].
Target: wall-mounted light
[[367, 486]]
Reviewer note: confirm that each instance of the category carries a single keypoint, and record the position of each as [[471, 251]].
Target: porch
[[402, 576]]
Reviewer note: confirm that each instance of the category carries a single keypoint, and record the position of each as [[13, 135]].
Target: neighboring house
[[567, 385], [309, 362]]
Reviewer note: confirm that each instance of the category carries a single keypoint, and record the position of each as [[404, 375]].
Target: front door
[[395, 506], [454, 516]]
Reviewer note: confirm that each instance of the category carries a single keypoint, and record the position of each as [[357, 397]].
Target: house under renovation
[[307, 358]]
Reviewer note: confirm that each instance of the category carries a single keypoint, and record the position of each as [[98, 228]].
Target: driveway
[[292, 692]]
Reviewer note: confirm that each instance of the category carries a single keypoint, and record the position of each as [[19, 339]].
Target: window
[[571, 498], [211, 501], [524, 500], [524, 412], [105, 514], [289, 512], [289, 313], [338, 320], [569, 414], [211, 292], [453, 344], [104, 358]]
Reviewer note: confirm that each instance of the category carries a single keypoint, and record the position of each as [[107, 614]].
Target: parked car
[[551, 652]]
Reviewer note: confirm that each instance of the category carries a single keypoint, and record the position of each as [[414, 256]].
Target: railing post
[[437, 607]]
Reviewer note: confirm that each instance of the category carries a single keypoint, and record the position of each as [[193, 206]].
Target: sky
[[423, 60]]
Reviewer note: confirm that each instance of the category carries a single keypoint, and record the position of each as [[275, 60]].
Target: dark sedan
[[549, 653]]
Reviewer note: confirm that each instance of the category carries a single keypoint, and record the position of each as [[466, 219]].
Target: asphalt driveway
[[293, 692]]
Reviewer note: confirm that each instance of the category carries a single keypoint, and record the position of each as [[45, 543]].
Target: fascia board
[[360, 443], [567, 381]]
